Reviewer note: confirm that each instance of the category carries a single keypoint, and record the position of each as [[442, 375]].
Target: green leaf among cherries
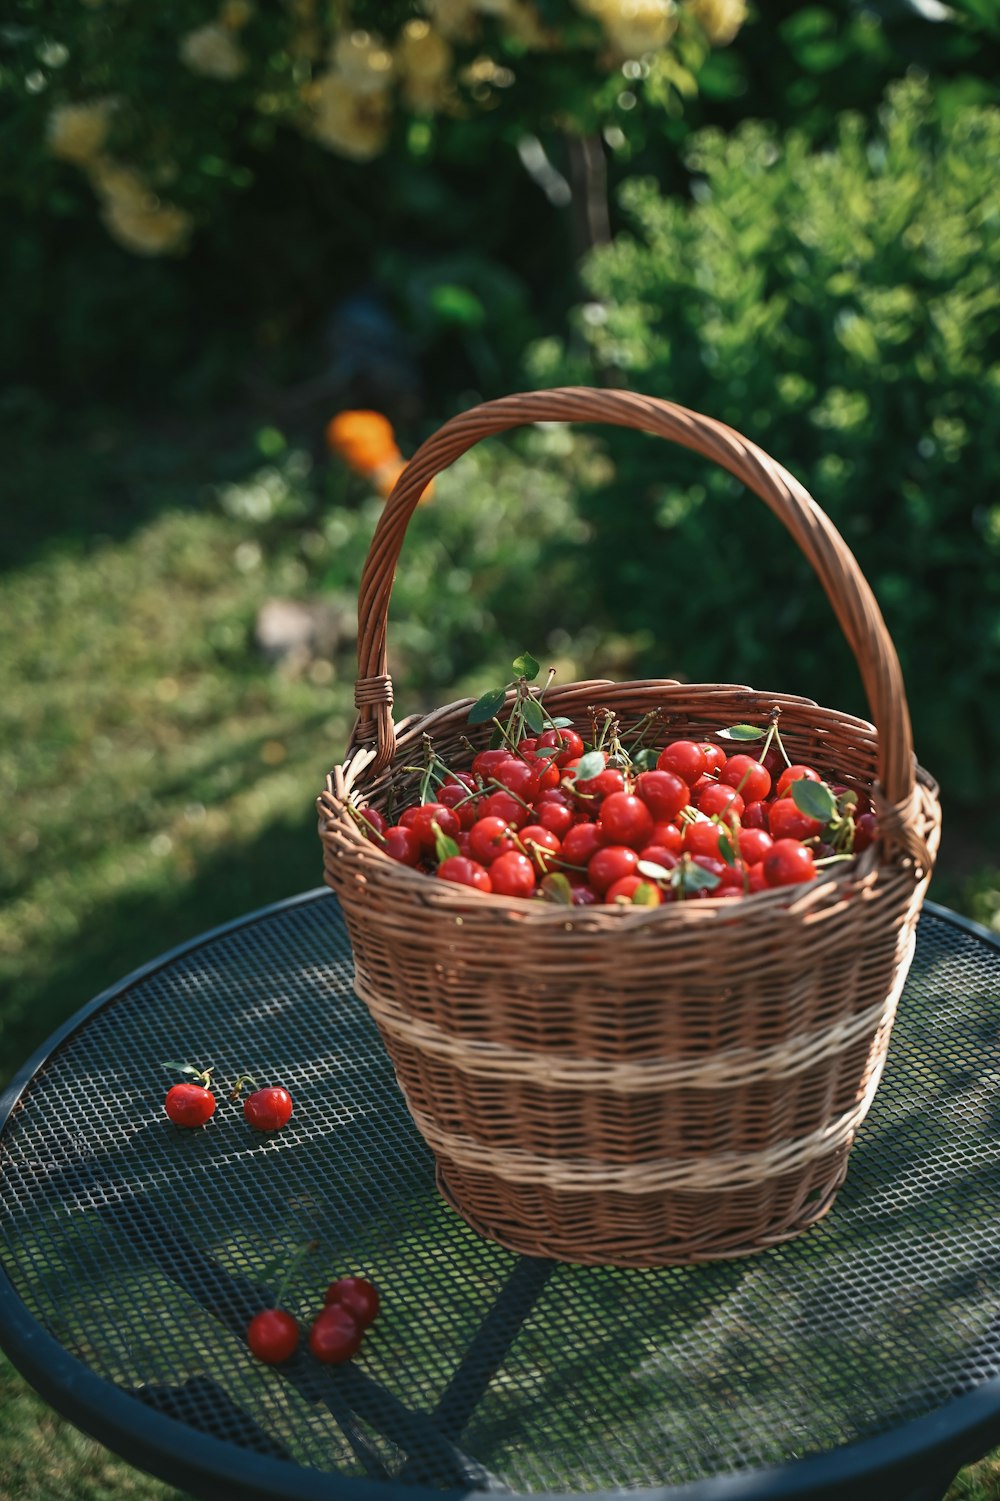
[[488, 706], [591, 765], [815, 800], [745, 732], [534, 715]]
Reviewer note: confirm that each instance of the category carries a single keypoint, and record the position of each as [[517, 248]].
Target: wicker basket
[[626, 1085]]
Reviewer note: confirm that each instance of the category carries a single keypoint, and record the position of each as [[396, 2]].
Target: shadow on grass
[[284, 859]]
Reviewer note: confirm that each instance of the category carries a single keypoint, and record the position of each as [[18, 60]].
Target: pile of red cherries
[[544, 818]]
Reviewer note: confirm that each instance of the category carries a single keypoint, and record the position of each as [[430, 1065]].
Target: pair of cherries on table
[[548, 819]]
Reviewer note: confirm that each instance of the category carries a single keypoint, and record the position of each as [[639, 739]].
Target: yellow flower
[[362, 62], [156, 229], [77, 132], [423, 61], [456, 18], [422, 52], [114, 182], [351, 124], [133, 214], [633, 27], [719, 19], [211, 51]]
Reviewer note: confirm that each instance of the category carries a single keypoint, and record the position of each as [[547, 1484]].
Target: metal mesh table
[[861, 1359]]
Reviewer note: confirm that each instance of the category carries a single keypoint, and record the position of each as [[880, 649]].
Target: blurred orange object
[[367, 444], [364, 440]]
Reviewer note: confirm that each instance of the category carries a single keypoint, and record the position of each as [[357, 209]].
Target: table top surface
[[135, 1252]]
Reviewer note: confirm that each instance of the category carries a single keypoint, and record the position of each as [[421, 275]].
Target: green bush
[[842, 309]]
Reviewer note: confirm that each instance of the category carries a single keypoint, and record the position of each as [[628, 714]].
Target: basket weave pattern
[[637, 1086]]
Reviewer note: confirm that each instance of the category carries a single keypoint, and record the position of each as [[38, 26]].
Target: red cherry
[[518, 777], [625, 889], [716, 800], [429, 814], [795, 773], [503, 805], [773, 761], [609, 864], [513, 874], [751, 780], [455, 795], [685, 759], [402, 844], [605, 784], [335, 1335], [656, 854], [541, 845], [787, 863], [786, 821], [663, 793], [556, 817], [698, 787], [753, 844], [715, 757], [490, 837], [484, 762], [756, 879], [579, 844], [865, 831], [464, 872], [668, 835], [569, 740], [755, 816], [268, 1109], [273, 1335], [625, 819], [373, 824], [702, 838], [189, 1104], [356, 1294], [547, 775]]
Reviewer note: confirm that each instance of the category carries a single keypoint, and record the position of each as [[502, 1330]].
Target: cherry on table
[[335, 1335], [273, 1335], [268, 1109], [191, 1103], [359, 1296]]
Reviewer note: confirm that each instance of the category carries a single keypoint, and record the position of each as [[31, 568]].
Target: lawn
[[159, 772]]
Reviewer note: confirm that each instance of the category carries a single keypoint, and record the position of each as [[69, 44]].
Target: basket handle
[[846, 587]]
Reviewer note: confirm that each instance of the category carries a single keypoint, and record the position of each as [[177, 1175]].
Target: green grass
[[157, 777]]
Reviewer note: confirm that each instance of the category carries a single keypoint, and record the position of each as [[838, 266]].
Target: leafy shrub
[[842, 309]]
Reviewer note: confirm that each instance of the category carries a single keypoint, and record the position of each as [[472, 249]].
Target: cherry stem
[[291, 1268], [773, 734], [507, 739]]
